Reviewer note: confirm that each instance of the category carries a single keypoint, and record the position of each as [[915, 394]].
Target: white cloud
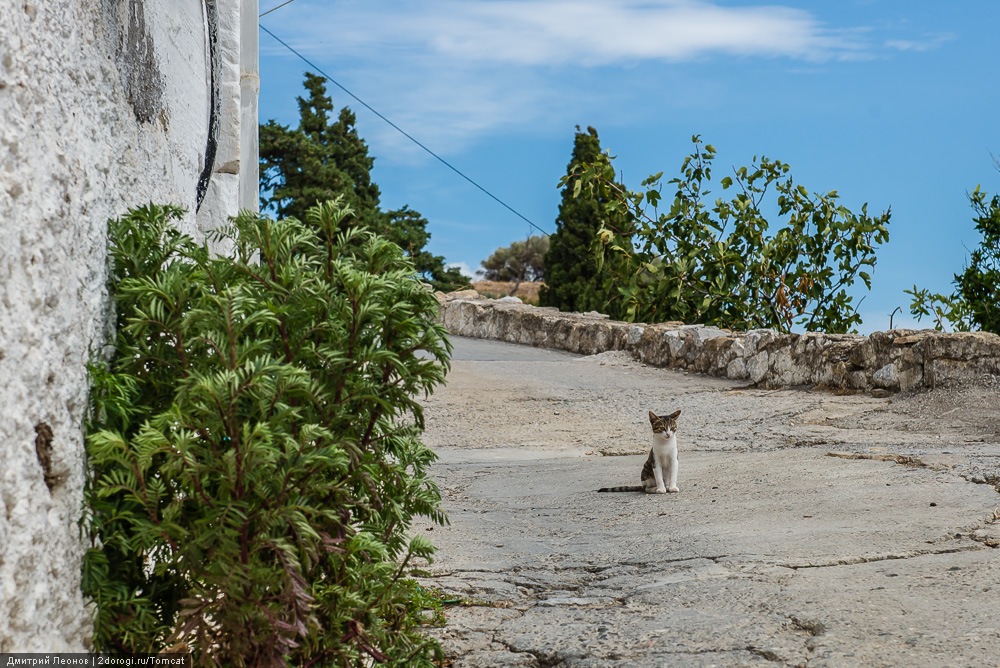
[[928, 43], [600, 32], [450, 71], [561, 32], [463, 267]]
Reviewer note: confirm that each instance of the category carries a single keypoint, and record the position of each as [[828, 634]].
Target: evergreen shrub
[[254, 444]]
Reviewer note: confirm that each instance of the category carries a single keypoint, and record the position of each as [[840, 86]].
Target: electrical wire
[[272, 9], [401, 131]]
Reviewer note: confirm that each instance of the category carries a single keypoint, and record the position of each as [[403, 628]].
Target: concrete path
[[775, 552]]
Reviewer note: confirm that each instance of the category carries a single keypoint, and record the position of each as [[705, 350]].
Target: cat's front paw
[[673, 489], [661, 490]]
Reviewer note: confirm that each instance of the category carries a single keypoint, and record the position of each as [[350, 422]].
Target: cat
[[659, 475]]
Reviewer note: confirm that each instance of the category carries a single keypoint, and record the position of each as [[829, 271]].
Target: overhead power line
[[273, 9], [400, 130]]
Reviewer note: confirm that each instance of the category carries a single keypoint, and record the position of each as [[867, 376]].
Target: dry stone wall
[[898, 360], [104, 105]]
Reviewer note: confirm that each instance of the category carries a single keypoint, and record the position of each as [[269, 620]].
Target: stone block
[[676, 343], [911, 378], [737, 369], [758, 366], [463, 294], [635, 333], [887, 377], [863, 356]]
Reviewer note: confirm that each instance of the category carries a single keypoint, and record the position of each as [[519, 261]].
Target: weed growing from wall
[[254, 445]]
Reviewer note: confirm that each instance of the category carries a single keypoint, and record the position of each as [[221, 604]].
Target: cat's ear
[[674, 415], [652, 418]]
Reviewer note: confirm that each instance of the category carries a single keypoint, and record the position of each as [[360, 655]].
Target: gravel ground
[[811, 528]]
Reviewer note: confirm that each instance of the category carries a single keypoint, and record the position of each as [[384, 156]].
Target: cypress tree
[[572, 279]]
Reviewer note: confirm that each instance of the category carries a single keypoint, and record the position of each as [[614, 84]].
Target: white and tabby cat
[[659, 475]]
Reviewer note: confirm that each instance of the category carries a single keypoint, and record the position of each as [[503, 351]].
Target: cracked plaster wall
[[899, 360], [105, 105]]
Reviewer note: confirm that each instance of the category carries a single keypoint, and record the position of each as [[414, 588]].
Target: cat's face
[[664, 424]]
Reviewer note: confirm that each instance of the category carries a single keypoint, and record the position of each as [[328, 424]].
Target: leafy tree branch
[[722, 262]]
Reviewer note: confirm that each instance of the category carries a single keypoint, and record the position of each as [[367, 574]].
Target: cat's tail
[[626, 488]]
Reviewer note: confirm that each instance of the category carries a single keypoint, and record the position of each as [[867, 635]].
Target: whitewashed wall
[[104, 105]]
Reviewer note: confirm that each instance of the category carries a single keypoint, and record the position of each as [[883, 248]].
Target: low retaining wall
[[898, 360]]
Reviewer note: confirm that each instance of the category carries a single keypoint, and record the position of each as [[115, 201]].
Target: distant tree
[[322, 160], [573, 281], [975, 304], [521, 261], [408, 229]]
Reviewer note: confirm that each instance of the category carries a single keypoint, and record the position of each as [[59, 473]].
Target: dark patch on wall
[[139, 70], [212, 141], [43, 450], [137, 64]]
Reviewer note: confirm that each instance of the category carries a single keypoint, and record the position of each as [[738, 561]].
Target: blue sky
[[891, 102]]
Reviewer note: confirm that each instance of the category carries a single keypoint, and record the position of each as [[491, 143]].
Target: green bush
[[975, 304], [254, 445], [720, 262]]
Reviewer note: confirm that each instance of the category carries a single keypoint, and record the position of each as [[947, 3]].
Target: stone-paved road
[[773, 553]]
